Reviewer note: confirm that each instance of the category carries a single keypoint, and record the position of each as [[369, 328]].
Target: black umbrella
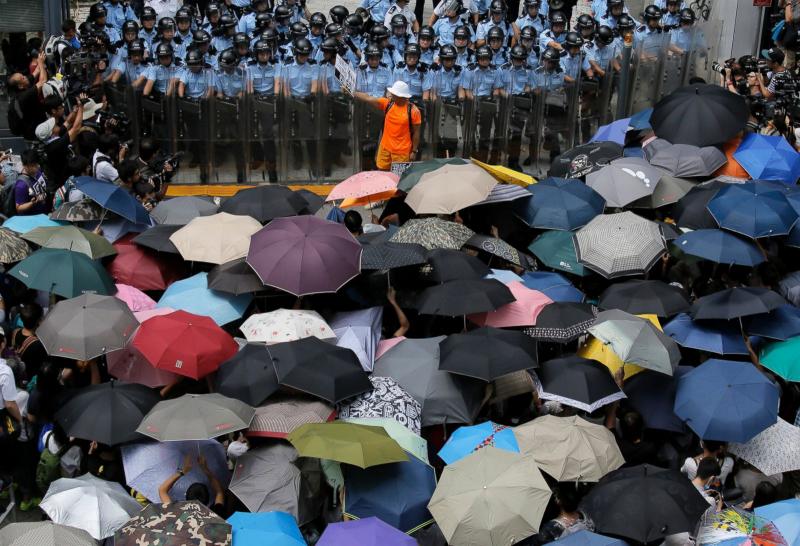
[[464, 297], [562, 322], [578, 382], [248, 376], [157, 238], [670, 231], [702, 115], [736, 302], [501, 249], [235, 277], [584, 159], [454, 265], [639, 297], [388, 255], [314, 202], [487, 353], [319, 368], [265, 203], [107, 413], [644, 503], [691, 210]]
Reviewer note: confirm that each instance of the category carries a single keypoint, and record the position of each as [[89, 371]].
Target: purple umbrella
[[365, 532], [304, 255]]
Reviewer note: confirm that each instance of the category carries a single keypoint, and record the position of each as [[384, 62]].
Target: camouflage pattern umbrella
[[185, 523], [12, 248], [433, 233], [85, 210]]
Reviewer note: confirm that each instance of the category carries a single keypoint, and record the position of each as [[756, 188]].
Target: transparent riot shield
[[646, 64], [673, 70], [425, 150], [367, 127], [446, 127], [704, 51], [193, 136], [468, 126], [336, 135], [486, 133], [554, 114], [261, 125], [519, 124], [300, 136]]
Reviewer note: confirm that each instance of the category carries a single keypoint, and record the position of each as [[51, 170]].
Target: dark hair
[[198, 492], [147, 148], [631, 426], [77, 165], [52, 102], [695, 80], [67, 25], [566, 497], [766, 493], [707, 468], [142, 188], [352, 221], [30, 314], [714, 446], [127, 169], [30, 157], [107, 144]]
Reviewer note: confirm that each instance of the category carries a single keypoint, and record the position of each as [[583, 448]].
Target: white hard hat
[[400, 89]]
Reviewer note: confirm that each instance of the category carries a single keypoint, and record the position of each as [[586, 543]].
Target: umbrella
[[736, 526], [774, 450], [63, 272], [720, 247], [780, 324], [669, 190], [107, 413], [464, 297], [736, 302], [785, 515], [556, 249], [370, 184], [769, 158], [595, 349], [487, 353], [653, 396], [613, 132], [726, 401], [570, 448], [588, 538], [501, 249], [452, 265], [450, 189], [490, 497], [116, 228], [179, 211], [141, 268], [504, 193], [26, 223], [617, 245], [158, 238], [625, 180], [84, 210], [506, 174], [445, 397], [281, 414], [235, 277], [114, 198], [248, 376], [364, 532], [304, 255], [187, 523], [523, 311], [86, 327], [433, 233], [148, 464], [390, 255], [562, 322], [701, 115], [359, 331], [691, 210], [584, 159], [183, 343], [215, 239], [285, 325], [720, 337], [753, 209], [408, 440], [412, 175], [12, 247], [577, 382], [687, 160], [559, 203], [277, 528], [553, 285], [71, 238], [265, 203], [781, 358], [387, 400], [195, 417], [466, 440], [96, 506], [644, 503], [504, 276], [639, 296], [135, 299], [790, 287], [129, 365], [349, 443], [193, 296], [44, 533]]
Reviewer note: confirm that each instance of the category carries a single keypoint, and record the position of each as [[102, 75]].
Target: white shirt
[[22, 404], [394, 10], [8, 388], [164, 8], [104, 170], [690, 468]]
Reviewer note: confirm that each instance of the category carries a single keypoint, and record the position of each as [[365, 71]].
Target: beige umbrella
[[570, 448], [215, 239], [450, 189], [490, 497]]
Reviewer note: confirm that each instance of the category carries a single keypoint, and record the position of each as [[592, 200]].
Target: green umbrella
[[411, 175], [781, 358], [64, 272], [358, 445], [12, 248], [556, 249], [416, 445], [71, 238]]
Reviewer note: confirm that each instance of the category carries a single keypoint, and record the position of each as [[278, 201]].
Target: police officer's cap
[[483, 52], [519, 52], [557, 5], [528, 33], [533, 3], [270, 35], [166, 23], [615, 3], [687, 15], [262, 46], [558, 18], [263, 19], [148, 14], [605, 35], [413, 49], [339, 13], [97, 11], [626, 22], [282, 12], [399, 21], [551, 54], [194, 57], [130, 26], [495, 33], [373, 50], [573, 39], [228, 58], [330, 45], [254, 3], [299, 30], [241, 39], [317, 19], [378, 33], [462, 33], [354, 22], [652, 12], [302, 46], [497, 6], [213, 7], [164, 50], [183, 14], [426, 31], [448, 52]]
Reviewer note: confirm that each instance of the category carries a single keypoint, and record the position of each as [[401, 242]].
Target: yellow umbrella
[[504, 174], [599, 351]]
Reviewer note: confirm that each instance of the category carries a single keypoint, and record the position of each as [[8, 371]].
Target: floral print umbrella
[[386, 400]]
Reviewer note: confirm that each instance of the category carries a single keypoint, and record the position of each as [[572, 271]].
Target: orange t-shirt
[[396, 137]]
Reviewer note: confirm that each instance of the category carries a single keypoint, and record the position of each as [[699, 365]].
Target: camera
[[722, 67]]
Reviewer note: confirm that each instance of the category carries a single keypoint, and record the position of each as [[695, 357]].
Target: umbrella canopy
[[753, 209], [129, 365], [613, 132], [570, 448], [450, 189], [559, 203], [780, 324], [736, 526], [786, 517], [278, 528], [523, 311], [584, 159], [625, 180], [720, 337], [640, 296], [687, 160], [215, 239], [505, 193], [781, 358], [390, 255], [387, 400], [365, 184], [96, 506], [726, 401], [464, 297], [556, 250], [12, 247], [114, 198], [501, 249], [617, 245], [701, 115], [466, 440], [653, 396], [349, 443], [413, 443], [44, 533], [736, 302], [691, 210], [148, 464], [187, 523], [71, 238], [179, 211], [84, 210], [490, 497], [282, 414], [285, 325], [265, 203], [195, 417], [774, 450], [235, 277], [769, 158], [158, 238], [487, 353], [433, 233], [414, 172], [553, 285], [144, 269], [248, 376], [668, 191], [86, 327], [359, 331], [24, 224], [193, 296], [720, 247], [135, 299], [562, 322], [644, 503], [304, 255], [587, 538], [452, 265], [577, 382], [365, 532], [63, 272]]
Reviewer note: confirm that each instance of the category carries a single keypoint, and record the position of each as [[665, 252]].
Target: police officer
[[497, 14], [517, 76], [686, 37], [495, 39], [484, 83], [161, 77], [338, 14], [427, 45], [446, 90], [415, 74], [445, 27], [573, 62], [672, 16], [118, 13], [196, 82], [98, 16], [346, 48], [223, 34], [166, 35], [377, 9], [464, 54], [400, 7], [602, 53], [263, 22], [400, 36], [554, 36], [130, 32], [298, 11], [282, 16], [211, 20], [183, 20], [247, 24], [230, 86], [201, 40], [379, 35], [148, 32], [614, 10], [626, 25], [134, 66], [548, 78], [549, 74], [586, 27], [372, 78], [529, 40], [316, 26], [262, 73], [649, 38], [300, 76], [530, 18], [241, 45], [335, 136], [279, 52]]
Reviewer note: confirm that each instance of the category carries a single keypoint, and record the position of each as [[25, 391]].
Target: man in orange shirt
[[401, 125]]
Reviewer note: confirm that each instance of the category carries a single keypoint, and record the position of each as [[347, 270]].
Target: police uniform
[[663, 5], [390, 56], [600, 54], [549, 36], [688, 39], [485, 26], [221, 43], [482, 82], [131, 71], [359, 41], [539, 23], [161, 75], [444, 84], [117, 14], [418, 79], [428, 56], [671, 21], [377, 9], [228, 118], [374, 82], [247, 24], [344, 51], [572, 65], [262, 77], [445, 29], [335, 137], [113, 34], [399, 44], [465, 58], [178, 49], [192, 114], [156, 116], [533, 57], [500, 56], [408, 12], [648, 40], [517, 82], [148, 37], [545, 79], [184, 39], [299, 79]]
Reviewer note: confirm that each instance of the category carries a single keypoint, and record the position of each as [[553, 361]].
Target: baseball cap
[[400, 89], [773, 54], [45, 129]]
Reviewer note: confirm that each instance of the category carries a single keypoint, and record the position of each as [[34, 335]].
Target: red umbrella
[[141, 268], [185, 344]]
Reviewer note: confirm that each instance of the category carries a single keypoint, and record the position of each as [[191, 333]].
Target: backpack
[[410, 121], [9, 201], [15, 122], [48, 469]]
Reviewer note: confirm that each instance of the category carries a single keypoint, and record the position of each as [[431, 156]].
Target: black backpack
[[9, 202], [410, 123], [15, 122]]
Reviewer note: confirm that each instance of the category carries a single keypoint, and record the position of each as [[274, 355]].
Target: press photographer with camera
[[25, 111], [30, 190], [779, 77], [109, 154], [55, 136], [154, 167]]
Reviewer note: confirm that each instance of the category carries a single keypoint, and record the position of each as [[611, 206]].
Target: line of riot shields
[[328, 136]]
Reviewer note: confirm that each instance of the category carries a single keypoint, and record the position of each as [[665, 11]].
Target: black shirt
[[58, 153], [32, 111]]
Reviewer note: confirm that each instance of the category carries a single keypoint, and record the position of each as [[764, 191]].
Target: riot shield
[[704, 51], [367, 127], [446, 125], [425, 150], [486, 136], [556, 123], [336, 135], [261, 114], [227, 141], [519, 124], [193, 138], [300, 136], [645, 75]]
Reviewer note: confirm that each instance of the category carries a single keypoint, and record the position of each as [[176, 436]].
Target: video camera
[[162, 176]]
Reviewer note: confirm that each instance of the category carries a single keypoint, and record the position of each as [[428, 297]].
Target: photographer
[[779, 77], [154, 168], [30, 190], [56, 134], [25, 111], [108, 153]]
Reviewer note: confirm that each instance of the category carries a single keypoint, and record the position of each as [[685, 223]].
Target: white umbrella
[[284, 325], [97, 506], [774, 450]]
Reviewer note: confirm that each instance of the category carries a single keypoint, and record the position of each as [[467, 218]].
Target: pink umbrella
[[142, 316], [364, 184], [134, 298], [522, 312], [130, 365], [386, 344]]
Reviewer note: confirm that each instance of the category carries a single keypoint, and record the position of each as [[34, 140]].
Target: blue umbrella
[[786, 517], [719, 337], [613, 132], [769, 158], [559, 203], [23, 224], [633, 151], [114, 198], [640, 120], [727, 401], [587, 538], [359, 331], [257, 529], [652, 394], [755, 209], [193, 296], [554, 285], [116, 228], [780, 324], [397, 493], [466, 440], [720, 247], [793, 239], [504, 276]]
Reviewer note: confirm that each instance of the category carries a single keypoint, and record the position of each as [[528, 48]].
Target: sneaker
[[24, 506]]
